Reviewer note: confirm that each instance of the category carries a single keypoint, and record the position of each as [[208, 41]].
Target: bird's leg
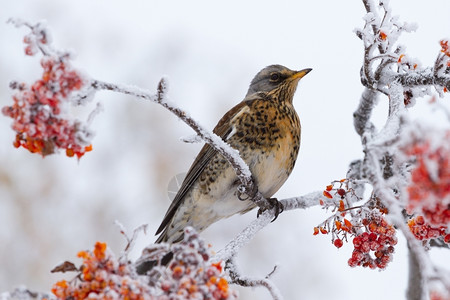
[[273, 204]]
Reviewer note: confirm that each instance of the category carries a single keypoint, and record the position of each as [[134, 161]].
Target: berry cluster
[[445, 58], [445, 48], [39, 111], [439, 295], [429, 191], [424, 231], [368, 228], [37, 39], [378, 236], [341, 190], [190, 275], [102, 276]]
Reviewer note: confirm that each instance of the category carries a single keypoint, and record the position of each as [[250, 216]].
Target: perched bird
[[265, 129]]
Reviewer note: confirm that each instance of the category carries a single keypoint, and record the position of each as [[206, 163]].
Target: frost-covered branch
[[246, 235], [242, 170], [388, 70], [423, 78], [237, 278], [361, 117]]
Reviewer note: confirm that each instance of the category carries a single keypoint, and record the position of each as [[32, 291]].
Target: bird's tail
[[171, 238]]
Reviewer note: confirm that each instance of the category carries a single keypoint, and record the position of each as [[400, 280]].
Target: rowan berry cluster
[[337, 223], [39, 111], [373, 237], [190, 275], [424, 231], [377, 236], [439, 295], [102, 276], [429, 190], [445, 48]]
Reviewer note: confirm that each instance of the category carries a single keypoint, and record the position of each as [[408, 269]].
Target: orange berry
[[83, 254], [213, 279], [218, 266], [222, 284], [338, 225], [328, 195], [348, 223], [99, 250], [69, 152], [323, 230], [316, 231], [329, 187], [341, 205], [178, 272], [62, 284], [420, 220]]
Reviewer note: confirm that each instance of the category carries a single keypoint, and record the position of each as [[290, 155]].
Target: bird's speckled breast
[[267, 136]]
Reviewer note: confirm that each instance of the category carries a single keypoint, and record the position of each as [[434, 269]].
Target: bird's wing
[[222, 129]]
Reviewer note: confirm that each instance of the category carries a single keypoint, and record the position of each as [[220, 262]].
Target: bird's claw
[[273, 204]]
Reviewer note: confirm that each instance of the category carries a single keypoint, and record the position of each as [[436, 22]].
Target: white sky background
[[52, 208]]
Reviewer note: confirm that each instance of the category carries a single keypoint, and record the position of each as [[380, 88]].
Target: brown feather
[[222, 129]]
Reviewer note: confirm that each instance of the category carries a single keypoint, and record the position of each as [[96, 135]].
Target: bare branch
[[236, 278], [130, 240]]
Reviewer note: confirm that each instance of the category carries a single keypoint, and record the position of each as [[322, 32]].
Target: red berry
[[338, 243], [341, 192], [372, 236], [357, 241], [447, 238], [419, 220]]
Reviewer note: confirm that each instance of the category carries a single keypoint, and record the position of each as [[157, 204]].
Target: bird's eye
[[274, 77]]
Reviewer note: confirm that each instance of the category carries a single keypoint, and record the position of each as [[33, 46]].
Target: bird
[[265, 129]]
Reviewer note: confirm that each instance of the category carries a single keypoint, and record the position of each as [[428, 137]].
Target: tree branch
[[248, 185], [243, 238], [361, 117], [423, 78], [415, 278], [236, 278]]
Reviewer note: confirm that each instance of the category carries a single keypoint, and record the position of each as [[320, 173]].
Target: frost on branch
[[40, 111], [405, 165], [386, 61]]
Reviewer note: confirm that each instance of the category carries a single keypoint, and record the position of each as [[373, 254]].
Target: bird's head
[[277, 81]]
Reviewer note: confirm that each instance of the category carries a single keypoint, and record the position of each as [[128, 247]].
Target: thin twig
[[238, 279]]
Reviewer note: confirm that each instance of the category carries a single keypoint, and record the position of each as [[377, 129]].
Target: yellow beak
[[300, 74]]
